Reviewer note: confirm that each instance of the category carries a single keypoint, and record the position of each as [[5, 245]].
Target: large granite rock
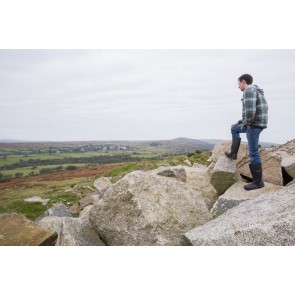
[[17, 230], [101, 185], [73, 231], [148, 209], [198, 177], [288, 147], [291, 183], [195, 176], [271, 161], [223, 175], [60, 210], [271, 165], [268, 220], [236, 194], [225, 146], [288, 163]]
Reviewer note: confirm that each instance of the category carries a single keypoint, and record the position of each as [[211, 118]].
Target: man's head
[[244, 81]]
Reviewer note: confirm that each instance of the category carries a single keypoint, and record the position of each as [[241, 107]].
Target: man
[[255, 116]]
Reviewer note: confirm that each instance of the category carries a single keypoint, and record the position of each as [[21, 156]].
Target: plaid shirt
[[255, 107]]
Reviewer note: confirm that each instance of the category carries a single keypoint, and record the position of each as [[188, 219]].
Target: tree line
[[69, 160]]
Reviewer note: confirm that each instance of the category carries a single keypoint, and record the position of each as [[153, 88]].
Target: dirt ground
[[62, 175]]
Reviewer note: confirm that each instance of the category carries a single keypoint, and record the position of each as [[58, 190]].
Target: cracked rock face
[[195, 176], [268, 220], [148, 209], [271, 165], [223, 175], [73, 231], [101, 185]]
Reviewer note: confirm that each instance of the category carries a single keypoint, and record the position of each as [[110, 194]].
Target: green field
[[23, 159], [12, 199]]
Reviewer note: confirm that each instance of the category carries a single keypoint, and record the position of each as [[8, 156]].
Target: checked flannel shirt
[[255, 107]]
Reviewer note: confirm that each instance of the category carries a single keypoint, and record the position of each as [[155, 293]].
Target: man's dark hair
[[248, 78]]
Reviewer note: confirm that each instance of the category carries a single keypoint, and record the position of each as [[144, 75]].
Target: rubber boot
[[234, 148], [256, 171]]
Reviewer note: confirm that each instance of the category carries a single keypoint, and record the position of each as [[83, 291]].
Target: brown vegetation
[[62, 175]]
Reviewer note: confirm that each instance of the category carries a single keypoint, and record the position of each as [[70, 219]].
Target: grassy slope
[[12, 199]]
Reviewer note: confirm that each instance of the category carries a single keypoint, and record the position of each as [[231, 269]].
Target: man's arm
[[250, 106]]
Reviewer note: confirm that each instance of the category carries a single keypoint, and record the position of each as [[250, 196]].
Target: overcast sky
[[140, 94]]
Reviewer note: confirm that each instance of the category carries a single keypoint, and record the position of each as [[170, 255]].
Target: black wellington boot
[[256, 171], [234, 148]]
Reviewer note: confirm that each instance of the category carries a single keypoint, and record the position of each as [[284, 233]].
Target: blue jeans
[[253, 139]]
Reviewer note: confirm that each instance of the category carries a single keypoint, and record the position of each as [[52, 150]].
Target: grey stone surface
[[236, 194], [195, 176], [291, 183], [268, 220], [288, 163], [148, 209], [60, 210], [271, 167], [73, 231], [225, 146], [198, 178], [101, 185], [199, 166], [223, 175]]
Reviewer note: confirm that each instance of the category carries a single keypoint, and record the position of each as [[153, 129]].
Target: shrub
[[71, 167]]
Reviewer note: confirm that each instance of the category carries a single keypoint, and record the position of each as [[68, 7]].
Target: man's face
[[242, 85]]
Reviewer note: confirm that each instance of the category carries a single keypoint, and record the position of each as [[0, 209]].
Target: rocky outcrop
[[101, 185], [236, 194], [268, 220], [223, 146], [223, 175], [195, 176], [198, 178], [288, 147], [60, 210], [73, 231], [271, 162], [148, 209], [271, 165], [17, 230], [291, 183], [288, 164]]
